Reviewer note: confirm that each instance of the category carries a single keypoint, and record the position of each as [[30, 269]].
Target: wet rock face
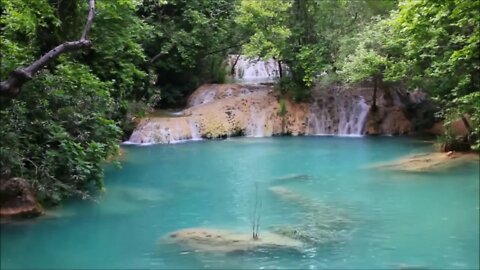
[[400, 113], [17, 199], [217, 111], [388, 121], [224, 110]]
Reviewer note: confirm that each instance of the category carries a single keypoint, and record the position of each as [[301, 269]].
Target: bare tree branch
[[11, 87], [88, 25]]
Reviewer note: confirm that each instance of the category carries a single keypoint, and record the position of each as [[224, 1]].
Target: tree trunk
[[232, 71], [11, 86], [466, 124], [374, 98], [280, 71]]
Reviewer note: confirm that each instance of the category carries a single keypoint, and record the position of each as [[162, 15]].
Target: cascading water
[[165, 130], [249, 70], [256, 124], [194, 131], [205, 97], [337, 113]]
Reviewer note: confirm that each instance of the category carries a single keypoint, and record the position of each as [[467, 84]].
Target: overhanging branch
[[11, 87]]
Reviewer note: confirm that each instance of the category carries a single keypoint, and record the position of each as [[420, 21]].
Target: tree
[[304, 35], [371, 59], [428, 45], [266, 23], [364, 65], [188, 44], [441, 41], [18, 77], [62, 126]]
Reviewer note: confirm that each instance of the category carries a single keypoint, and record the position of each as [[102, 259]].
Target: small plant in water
[[256, 214]]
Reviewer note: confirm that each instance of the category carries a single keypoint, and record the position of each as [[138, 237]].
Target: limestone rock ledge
[[220, 111], [225, 110]]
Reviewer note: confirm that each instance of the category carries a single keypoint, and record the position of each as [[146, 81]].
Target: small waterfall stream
[[205, 97], [194, 131], [256, 124], [337, 113], [249, 70]]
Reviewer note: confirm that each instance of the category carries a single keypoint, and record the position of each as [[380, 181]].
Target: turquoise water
[[388, 219]]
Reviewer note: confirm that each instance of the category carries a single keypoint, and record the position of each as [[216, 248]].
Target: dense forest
[[67, 111]]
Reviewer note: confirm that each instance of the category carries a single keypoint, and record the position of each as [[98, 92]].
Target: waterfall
[[337, 114], [194, 131], [249, 70], [138, 136], [165, 130], [256, 124]]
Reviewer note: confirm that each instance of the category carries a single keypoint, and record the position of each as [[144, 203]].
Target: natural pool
[[389, 219]]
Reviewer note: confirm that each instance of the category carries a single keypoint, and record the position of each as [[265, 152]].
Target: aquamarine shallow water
[[395, 219]]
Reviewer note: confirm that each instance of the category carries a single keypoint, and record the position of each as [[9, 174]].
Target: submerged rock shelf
[[217, 240], [429, 162]]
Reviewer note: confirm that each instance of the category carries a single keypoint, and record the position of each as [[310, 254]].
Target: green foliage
[[441, 42], [298, 91], [363, 65], [56, 134], [311, 60], [66, 121], [126, 32], [306, 35], [63, 125], [428, 45], [21, 19], [267, 22], [188, 44], [468, 106]]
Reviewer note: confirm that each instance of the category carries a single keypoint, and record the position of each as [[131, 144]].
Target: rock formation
[[220, 111], [17, 199], [318, 223], [225, 110], [224, 241], [430, 162]]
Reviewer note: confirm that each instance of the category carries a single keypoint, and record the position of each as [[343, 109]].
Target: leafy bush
[[298, 91], [57, 133]]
